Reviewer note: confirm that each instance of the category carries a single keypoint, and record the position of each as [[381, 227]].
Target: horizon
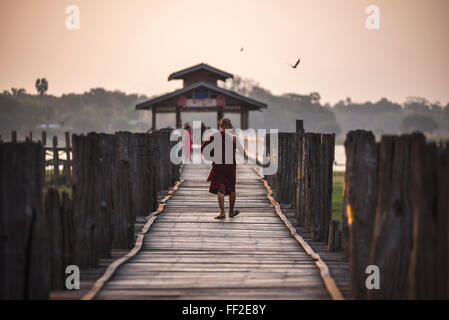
[[133, 48], [322, 103]]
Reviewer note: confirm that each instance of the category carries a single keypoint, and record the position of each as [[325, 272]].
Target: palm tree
[[42, 87]]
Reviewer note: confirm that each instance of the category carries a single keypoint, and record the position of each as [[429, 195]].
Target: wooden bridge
[[130, 239], [186, 254]]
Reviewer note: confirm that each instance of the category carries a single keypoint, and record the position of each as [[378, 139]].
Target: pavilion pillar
[[243, 118], [220, 114], [153, 119], [178, 118]]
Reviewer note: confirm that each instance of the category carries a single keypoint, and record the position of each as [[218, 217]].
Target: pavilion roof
[[202, 66], [201, 84]]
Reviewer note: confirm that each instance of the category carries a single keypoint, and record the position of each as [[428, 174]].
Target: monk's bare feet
[[234, 213], [220, 216]]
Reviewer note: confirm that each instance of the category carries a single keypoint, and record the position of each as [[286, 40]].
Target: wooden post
[[315, 187], [68, 162], [85, 156], [178, 117], [124, 211], [142, 171], [359, 203], [243, 118], [299, 126], [93, 177], [68, 230], [24, 269], [334, 236], [428, 269], [153, 118], [14, 136], [393, 228], [105, 180], [267, 155], [220, 114], [285, 181], [44, 138], [55, 160], [307, 179], [55, 244], [299, 197], [328, 142]]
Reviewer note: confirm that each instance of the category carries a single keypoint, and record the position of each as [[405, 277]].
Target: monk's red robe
[[222, 176]]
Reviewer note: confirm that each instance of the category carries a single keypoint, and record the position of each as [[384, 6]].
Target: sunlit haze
[[134, 45]]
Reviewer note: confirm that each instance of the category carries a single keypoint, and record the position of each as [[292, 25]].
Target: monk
[[222, 175]]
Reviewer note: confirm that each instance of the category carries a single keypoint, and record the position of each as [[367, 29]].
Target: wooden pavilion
[[200, 93]]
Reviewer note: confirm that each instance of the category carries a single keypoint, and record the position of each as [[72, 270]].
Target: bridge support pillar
[[178, 118]]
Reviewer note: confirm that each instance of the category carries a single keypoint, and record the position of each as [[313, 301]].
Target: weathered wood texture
[[408, 191], [23, 255], [335, 259], [55, 160], [59, 235], [304, 179], [67, 169], [359, 203], [116, 178], [429, 268], [334, 240], [187, 254]]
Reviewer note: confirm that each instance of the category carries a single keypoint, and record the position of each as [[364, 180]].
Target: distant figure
[[222, 176], [296, 64], [203, 129], [241, 49], [187, 140]]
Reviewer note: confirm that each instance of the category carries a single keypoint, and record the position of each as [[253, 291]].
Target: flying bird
[[296, 64]]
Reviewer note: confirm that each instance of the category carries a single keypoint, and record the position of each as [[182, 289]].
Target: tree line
[[109, 111]]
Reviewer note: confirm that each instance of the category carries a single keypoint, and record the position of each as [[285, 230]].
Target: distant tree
[[436, 108], [18, 92], [417, 105], [41, 86], [348, 101], [241, 85], [315, 97], [417, 122]]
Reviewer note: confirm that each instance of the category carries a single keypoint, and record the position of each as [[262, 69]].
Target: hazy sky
[[133, 45]]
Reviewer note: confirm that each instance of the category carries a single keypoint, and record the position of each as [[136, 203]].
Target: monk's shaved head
[[225, 123]]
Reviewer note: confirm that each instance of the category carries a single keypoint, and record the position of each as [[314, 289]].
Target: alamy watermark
[[249, 142], [372, 22], [73, 21], [373, 280], [72, 282]]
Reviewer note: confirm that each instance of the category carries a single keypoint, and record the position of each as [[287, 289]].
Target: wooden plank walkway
[[189, 255]]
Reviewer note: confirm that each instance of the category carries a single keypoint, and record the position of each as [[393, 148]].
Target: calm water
[[340, 158]]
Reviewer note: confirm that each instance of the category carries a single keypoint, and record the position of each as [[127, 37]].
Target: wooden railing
[[43, 229], [396, 215], [55, 156], [304, 180]]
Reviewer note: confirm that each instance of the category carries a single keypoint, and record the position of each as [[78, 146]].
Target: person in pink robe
[[187, 140]]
